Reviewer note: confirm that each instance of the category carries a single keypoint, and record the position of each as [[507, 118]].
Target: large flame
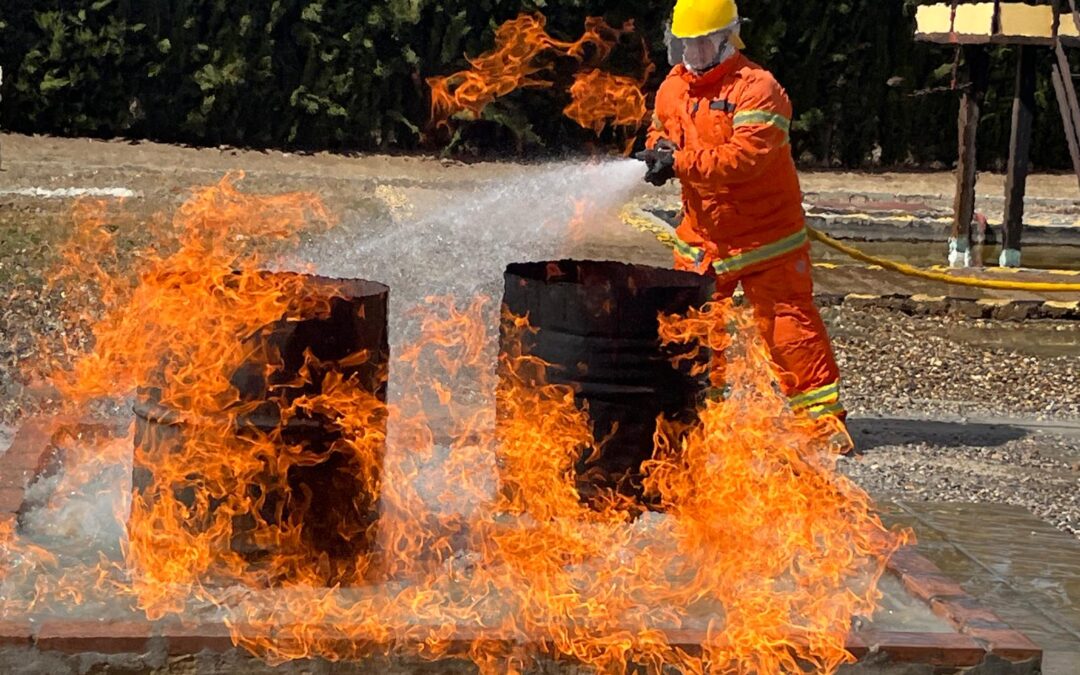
[[484, 549], [524, 51], [601, 99]]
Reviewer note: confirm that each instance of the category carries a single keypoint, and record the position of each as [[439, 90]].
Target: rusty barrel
[[321, 490], [597, 325]]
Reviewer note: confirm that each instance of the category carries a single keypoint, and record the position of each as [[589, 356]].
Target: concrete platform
[[925, 217], [982, 580]]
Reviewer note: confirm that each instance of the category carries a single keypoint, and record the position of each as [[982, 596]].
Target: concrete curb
[[997, 309], [911, 228], [884, 228]]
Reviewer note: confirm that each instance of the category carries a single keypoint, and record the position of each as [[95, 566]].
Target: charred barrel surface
[[597, 325], [322, 493]]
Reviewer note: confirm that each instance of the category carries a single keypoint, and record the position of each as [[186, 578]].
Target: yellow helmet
[[697, 18]]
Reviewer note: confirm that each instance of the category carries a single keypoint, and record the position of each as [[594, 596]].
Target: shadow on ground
[[876, 432]]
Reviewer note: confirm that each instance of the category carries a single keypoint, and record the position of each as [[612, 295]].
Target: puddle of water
[[901, 612], [1033, 338], [1018, 566]]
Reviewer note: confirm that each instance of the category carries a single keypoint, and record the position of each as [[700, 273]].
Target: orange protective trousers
[[782, 298]]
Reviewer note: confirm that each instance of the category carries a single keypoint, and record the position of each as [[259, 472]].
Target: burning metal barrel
[[312, 494], [597, 326]]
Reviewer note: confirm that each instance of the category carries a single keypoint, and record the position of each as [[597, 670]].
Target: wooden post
[[1, 100], [1019, 155], [977, 66], [1062, 93], [1063, 86]]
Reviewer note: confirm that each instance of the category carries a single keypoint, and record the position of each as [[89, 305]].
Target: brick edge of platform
[[924, 580]]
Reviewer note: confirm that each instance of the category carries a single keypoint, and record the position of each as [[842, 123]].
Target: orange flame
[[507, 68], [485, 550], [601, 99], [523, 49], [817, 548]]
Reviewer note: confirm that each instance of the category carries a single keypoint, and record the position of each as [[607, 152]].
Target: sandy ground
[[35, 158], [1025, 377]]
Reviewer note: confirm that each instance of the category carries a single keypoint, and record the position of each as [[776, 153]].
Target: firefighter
[[721, 127]]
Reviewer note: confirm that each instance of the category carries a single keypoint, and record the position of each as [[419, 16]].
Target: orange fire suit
[[743, 219]]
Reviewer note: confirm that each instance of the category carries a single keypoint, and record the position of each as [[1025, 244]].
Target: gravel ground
[[1039, 471], [956, 410], [28, 240], [920, 389], [957, 366]]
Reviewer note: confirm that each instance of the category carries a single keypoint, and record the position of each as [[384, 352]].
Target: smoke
[[458, 241]]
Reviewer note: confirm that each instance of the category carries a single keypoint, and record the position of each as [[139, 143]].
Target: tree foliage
[[349, 74]]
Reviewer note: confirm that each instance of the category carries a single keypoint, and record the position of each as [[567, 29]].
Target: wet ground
[[971, 425], [1018, 565]]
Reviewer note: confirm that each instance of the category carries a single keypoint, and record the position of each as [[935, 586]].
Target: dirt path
[[34, 161]]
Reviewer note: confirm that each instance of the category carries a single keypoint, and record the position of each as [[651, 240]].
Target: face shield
[[699, 54]]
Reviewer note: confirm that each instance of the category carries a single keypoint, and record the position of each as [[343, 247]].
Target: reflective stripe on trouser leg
[[831, 409], [819, 402]]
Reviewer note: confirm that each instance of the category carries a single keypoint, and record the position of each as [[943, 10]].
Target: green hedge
[[349, 74]]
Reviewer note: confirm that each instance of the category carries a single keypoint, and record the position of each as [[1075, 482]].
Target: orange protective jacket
[[742, 204]]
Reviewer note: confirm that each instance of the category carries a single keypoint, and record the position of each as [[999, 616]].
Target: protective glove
[[660, 161]]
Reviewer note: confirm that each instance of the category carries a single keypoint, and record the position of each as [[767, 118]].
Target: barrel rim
[[354, 288], [538, 272]]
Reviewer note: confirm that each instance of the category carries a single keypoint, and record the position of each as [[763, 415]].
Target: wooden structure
[[1, 100], [972, 27]]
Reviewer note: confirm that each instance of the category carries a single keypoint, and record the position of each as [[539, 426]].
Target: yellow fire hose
[[638, 219]]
